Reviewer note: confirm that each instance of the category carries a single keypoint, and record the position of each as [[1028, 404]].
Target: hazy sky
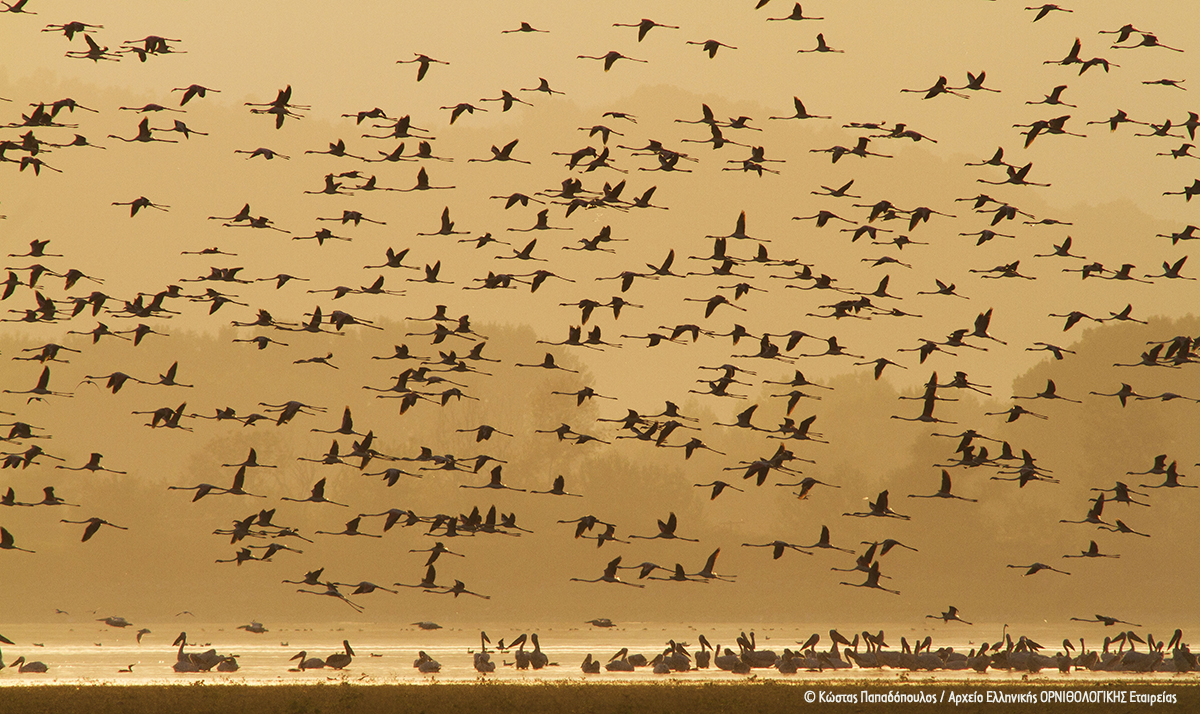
[[1105, 193]]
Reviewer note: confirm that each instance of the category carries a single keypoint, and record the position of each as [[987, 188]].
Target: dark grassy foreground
[[563, 698]]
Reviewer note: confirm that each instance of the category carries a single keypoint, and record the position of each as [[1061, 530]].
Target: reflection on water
[[81, 653]]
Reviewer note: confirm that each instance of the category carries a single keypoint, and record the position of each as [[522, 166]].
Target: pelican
[[307, 662], [183, 660], [537, 658], [340, 660], [620, 662], [483, 660], [23, 666], [426, 664]]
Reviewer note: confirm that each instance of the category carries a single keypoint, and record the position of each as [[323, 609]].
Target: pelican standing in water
[[483, 659], [34, 667], [340, 660], [307, 662]]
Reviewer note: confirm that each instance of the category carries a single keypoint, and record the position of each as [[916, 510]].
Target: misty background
[[1106, 192]]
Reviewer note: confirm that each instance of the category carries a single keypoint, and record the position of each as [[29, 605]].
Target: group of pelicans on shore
[[1021, 655]]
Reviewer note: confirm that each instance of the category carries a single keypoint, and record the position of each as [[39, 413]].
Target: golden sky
[[1106, 193]]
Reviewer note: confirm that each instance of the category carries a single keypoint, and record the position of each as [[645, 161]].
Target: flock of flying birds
[[597, 177]]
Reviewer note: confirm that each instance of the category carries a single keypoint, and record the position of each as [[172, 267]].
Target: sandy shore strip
[[563, 697]]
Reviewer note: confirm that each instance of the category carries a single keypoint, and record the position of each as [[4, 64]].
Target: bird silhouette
[[423, 63], [644, 26], [1093, 551], [950, 615], [666, 530], [796, 14], [1036, 568], [609, 575], [822, 46], [872, 581], [317, 495], [709, 46], [8, 543], [610, 58], [879, 507], [944, 491]]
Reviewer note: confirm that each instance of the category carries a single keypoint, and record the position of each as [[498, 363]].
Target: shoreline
[[592, 696]]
